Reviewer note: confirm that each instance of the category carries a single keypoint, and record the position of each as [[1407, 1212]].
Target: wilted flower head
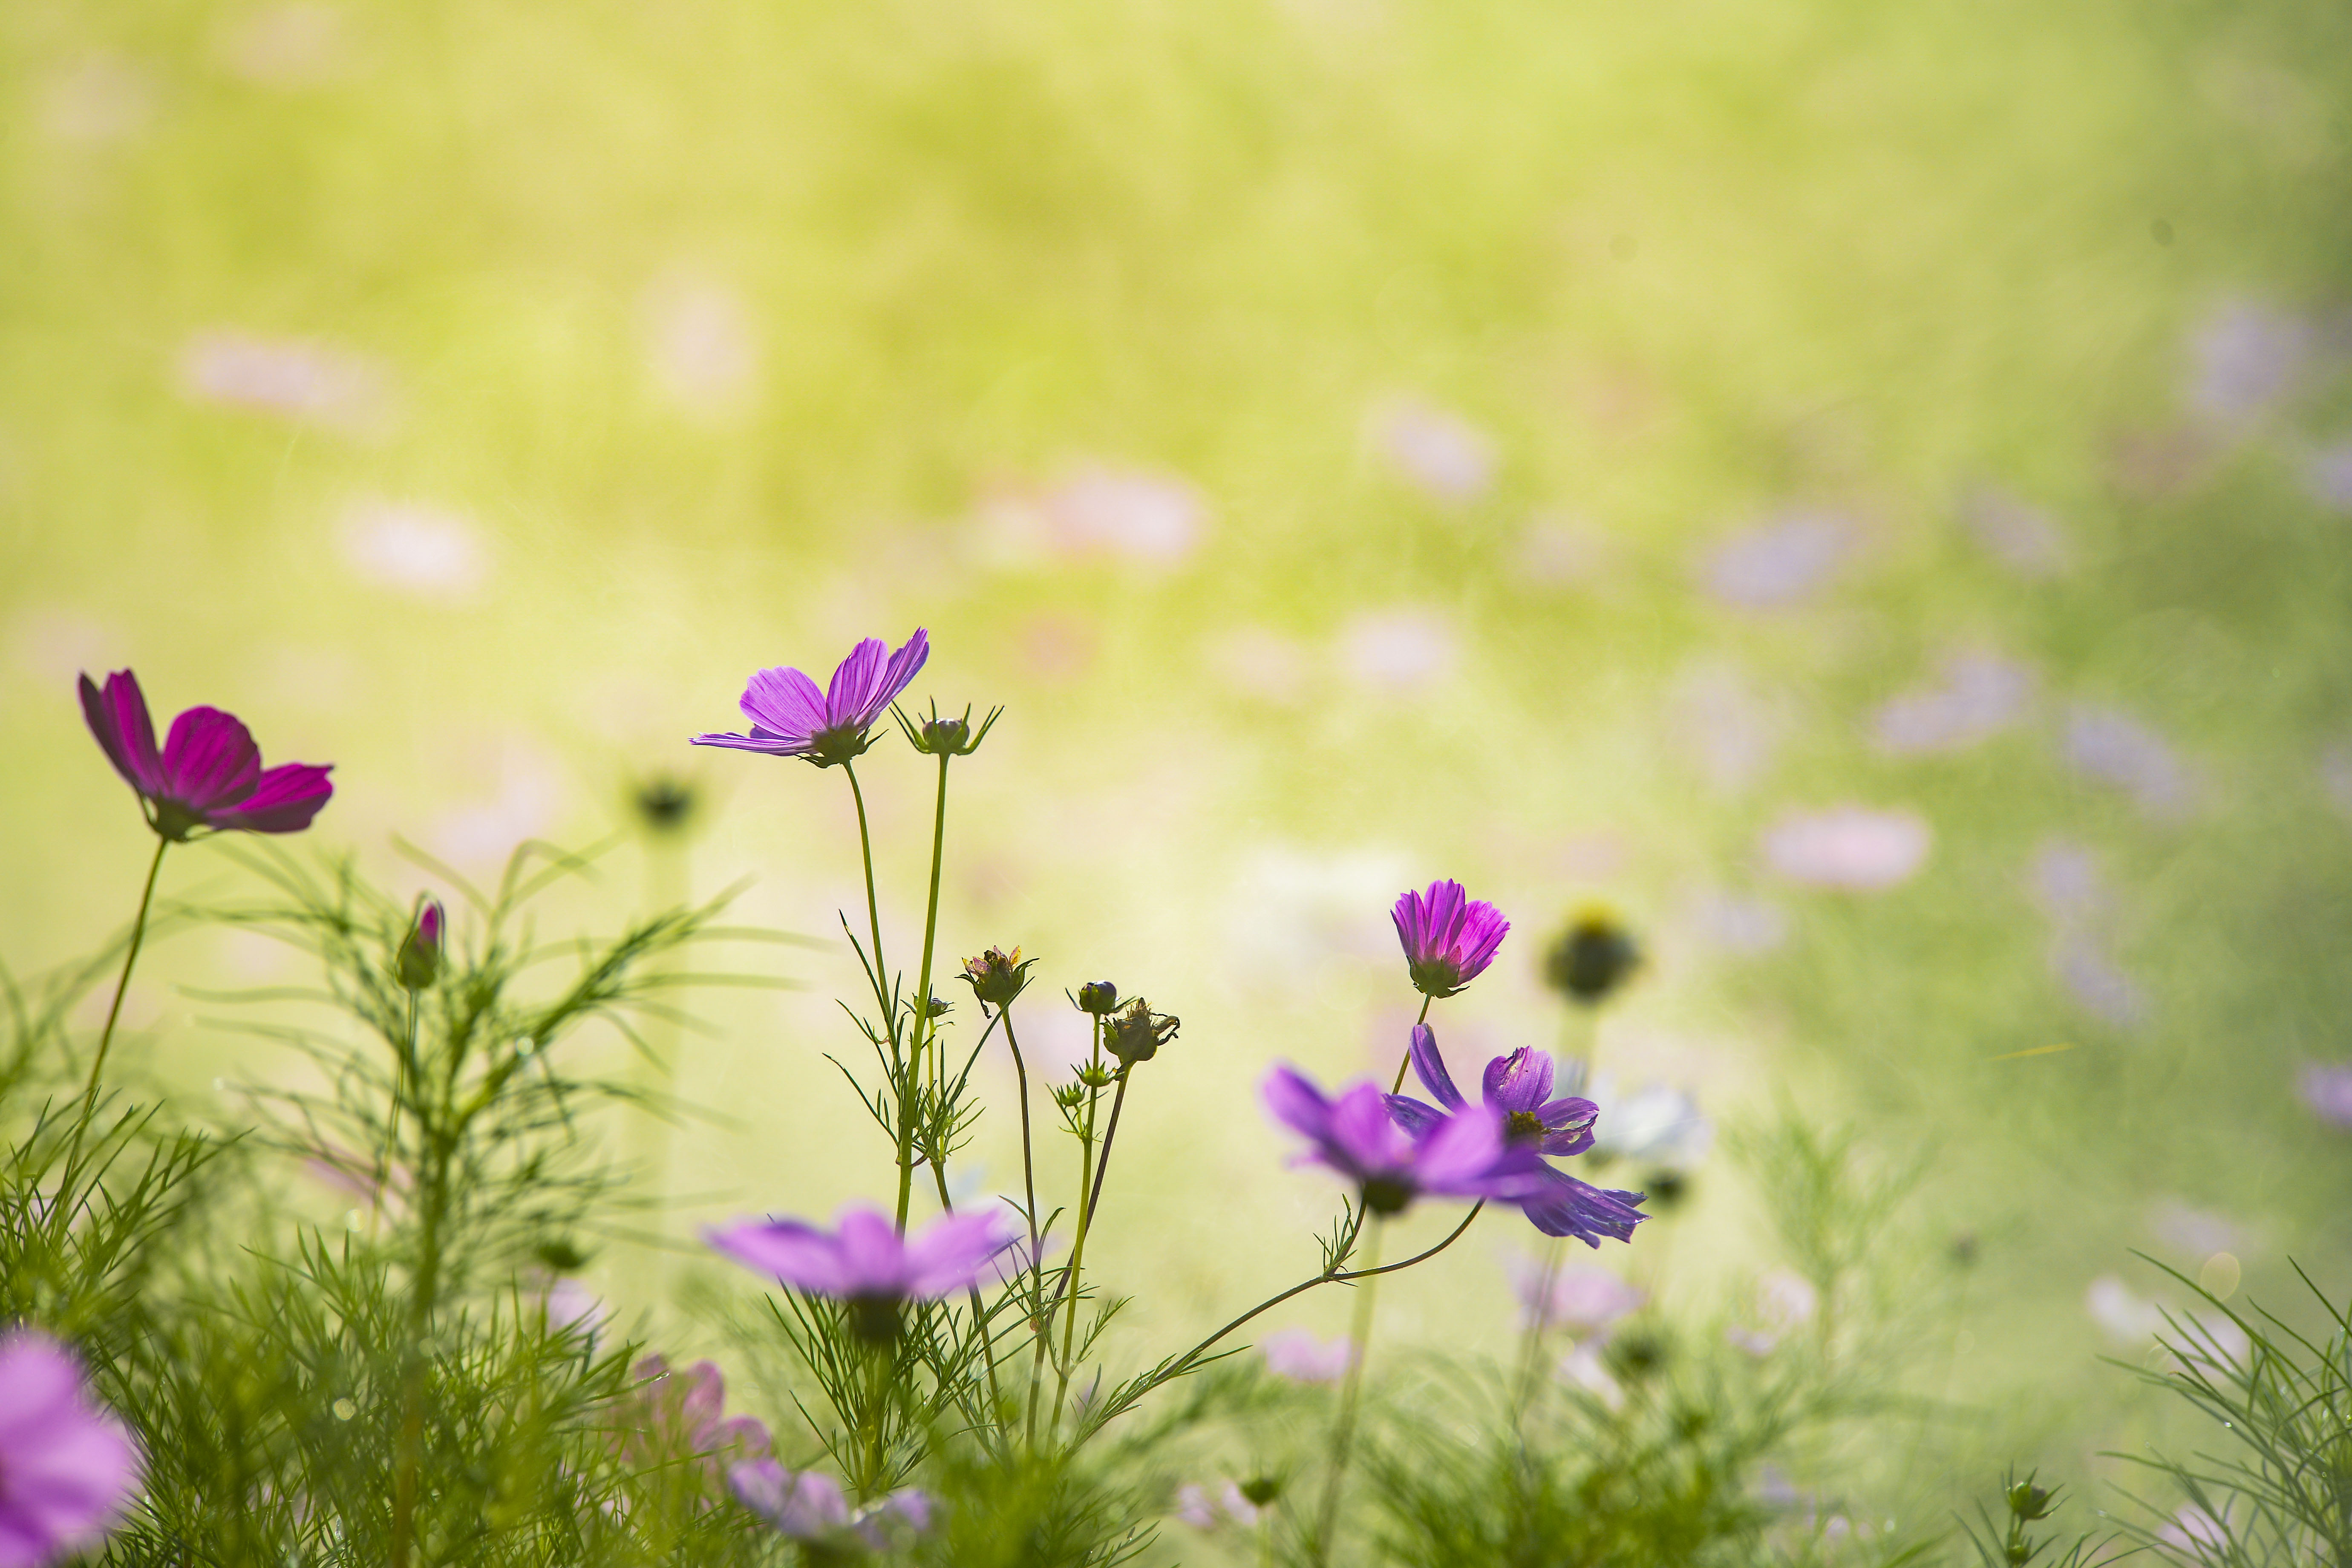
[[209, 774], [996, 976], [1097, 997], [419, 962], [790, 717], [1466, 1155], [1591, 958], [810, 1507], [66, 1466], [1519, 1095], [866, 1263], [1449, 938], [1303, 1356], [1136, 1033], [948, 737]]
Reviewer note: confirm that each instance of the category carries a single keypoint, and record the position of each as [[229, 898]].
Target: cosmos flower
[[2327, 1090], [66, 1466], [1581, 1300], [790, 717], [808, 1506], [209, 775], [1449, 938], [684, 1414], [1465, 1155], [1518, 1099], [866, 1263], [1302, 1356]]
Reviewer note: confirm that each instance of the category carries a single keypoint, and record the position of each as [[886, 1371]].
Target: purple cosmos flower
[[209, 774], [1519, 1100], [865, 1262], [66, 1466], [684, 1414], [808, 1506], [1461, 1156], [419, 960], [1449, 938], [790, 718]]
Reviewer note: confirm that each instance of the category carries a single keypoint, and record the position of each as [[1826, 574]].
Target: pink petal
[[785, 703], [118, 718], [797, 1254], [287, 796], [210, 759]]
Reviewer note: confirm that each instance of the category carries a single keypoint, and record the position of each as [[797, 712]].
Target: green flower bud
[[1136, 1033], [1097, 997], [1594, 957], [419, 962], [996, 976]]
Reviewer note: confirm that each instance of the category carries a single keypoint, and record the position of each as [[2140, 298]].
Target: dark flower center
[[1524, 1127], [1387, 1194], [875, 1319]]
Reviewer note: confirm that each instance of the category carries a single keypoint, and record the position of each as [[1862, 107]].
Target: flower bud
[[996, 976], [2029, 1501], [1261, 1491], [937, 1009], [560, 1255], [948, 737], [1136, 1033], [1097, 997], [1070, 1096], [1593, 958], [665, 805], [1094, 1076], [420, 951]]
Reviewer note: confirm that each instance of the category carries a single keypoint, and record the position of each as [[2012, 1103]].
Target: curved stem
[[1398, 1087], [121, 986], [1343, 1431], [1070, 1276]]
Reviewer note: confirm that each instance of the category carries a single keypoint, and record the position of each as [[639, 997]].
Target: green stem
[[907, 1070], [1398, 1087], [1102, 1166], [923, 1024], [403, 1071], [121, 986], [1343, 1431], [412, 1389], [1070, 1276], [1036, 1256], [979, 1318]]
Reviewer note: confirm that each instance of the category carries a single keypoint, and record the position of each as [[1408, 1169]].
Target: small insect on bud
[[2029, 1501], [1594, 956], [1097, 997], [1136, 1033], [419, 962], [996, 976]]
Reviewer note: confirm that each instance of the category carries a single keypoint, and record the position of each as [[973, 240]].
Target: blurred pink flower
[[1583, 1368], [1779, 564], [2095, 981], [674, 1416], [1729, 727], [2023, 538], [2196, 1535], [1852, 848], [1785, 1302], [2327, 474], [2119, 750], [297, 379], [2200, 1233], [2327, 1090], [1399, 651], [428, 551], [68, 1465], [1153, 518], [2127, 1319], [2245, 356], [1253, 662], [1980, 695], [1581, 1300], [699, 344], [1442, 454], [1298, 1355]]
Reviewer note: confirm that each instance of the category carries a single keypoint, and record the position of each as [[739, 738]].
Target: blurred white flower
[[1727, 726], [1443, 455], [525, 790], [2126, 1318], [700, 343], [291, 377], [1582, 1368], [1298, 1355], [100, 97], [1398, 651], [1785, 1302], [1193, 1507], [569, 1304], [1580, 1299], [2197, 1232], [1153, 518], [1780, 564], [1656, 1124], [2197, 1535], [1852, 848], [2245, 356], [2023, 538], [1291, 909], [428, 551], [1980, 695], [2120, 751]]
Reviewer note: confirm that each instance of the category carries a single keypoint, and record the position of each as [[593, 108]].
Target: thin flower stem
[[908, 1071], [979, 1317], [1070, 1276], [1037, 1324], [403, 1071], [924, 1027], [121, 986], [1343, 1431], [1398, 1087], [1102, 1166]]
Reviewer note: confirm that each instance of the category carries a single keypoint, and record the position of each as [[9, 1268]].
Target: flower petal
[[785, 703], [905, 665], [118, 718], [1418, 1120], [769, 745], [285, 800], [799, 1255], [1563, 1205], [1519, 1081], [209, 761], [1465, 1157], [1430, 1067], [953, 1251], [873, 1258], [1294, 1101], [856, 679]]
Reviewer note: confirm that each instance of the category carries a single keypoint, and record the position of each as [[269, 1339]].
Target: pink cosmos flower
[[865, 1262], [1449, 937], [790, 718], [66, 1466], [1300, 1355], [1465, 1155], [1581, 1300], [209, 775], [808, 1506], [675, 1413]]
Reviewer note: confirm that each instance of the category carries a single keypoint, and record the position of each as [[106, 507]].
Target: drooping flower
[[810, 1506], [790, 718], [66, 1466], [1518, 1100], [1135, 1033], [1449, 938], [866, 1263], [1466, 1155], [207, 776]]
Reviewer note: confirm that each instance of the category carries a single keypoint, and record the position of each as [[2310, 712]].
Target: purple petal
[[118, 718], [1483, 930], [40, 1382], [1417, 1119], [1520, 1081], [287, 796], [210, 759], [856, 679], [1563, 1205], [1430, 1067], [953, 1251], [1441, 920], [1460, 1158], [785, 703], [1294, 1101], [873, 1255], [1359, 1135], [768, 745], [1568, 1126], [797, 1254], [905, 665]]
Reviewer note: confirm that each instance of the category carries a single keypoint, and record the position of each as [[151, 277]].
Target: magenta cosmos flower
[[790, 718], [1518, 1095], [1449, 937], [866, 1263], [1462, 1156], [808, 1505], [209, 774], [67, 1467]]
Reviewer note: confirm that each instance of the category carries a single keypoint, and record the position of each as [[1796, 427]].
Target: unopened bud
[[1261, 1491], [419, 962], [948, 737], [1097, 997], [1593, 958], [1136, 1033], [2029, 1501]]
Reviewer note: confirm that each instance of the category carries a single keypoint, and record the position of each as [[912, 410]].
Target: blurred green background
[[1860, 490]]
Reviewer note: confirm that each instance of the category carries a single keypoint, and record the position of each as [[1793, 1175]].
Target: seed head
[[1136, 1033], [996, 976]]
